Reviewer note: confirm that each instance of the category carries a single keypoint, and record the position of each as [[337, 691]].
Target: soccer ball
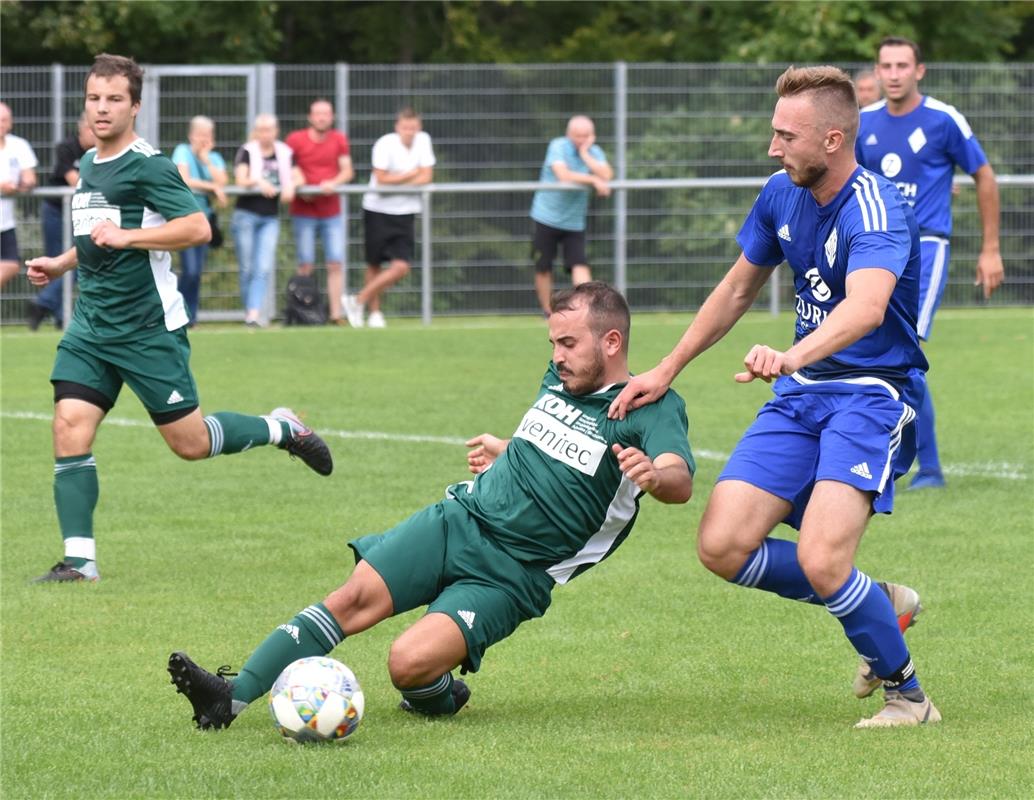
[[316, 700]]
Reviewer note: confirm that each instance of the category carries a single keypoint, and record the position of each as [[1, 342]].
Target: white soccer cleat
[[906, 608], [376, 320], [353, 310], [899, 711]]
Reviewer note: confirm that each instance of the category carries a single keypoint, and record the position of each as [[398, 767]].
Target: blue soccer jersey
[[919, 152], [867, 225]]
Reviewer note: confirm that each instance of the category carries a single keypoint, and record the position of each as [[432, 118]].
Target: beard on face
[[808, 175], [590, 378]]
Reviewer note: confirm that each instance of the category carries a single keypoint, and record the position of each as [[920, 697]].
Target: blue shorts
[[932, 280], [863, 439], [331, 231]]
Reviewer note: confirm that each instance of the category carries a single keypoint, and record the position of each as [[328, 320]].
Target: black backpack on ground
[[304, 303]]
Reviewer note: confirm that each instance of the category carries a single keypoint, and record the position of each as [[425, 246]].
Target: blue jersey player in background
[[823, 454], [917, 141]]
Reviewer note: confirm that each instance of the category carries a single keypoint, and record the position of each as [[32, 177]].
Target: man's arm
[[416, 176], [666, 478], [729, 301], [860, 313], [344, 175], [567, 175], [601, 169], [990, 270], [26, 182], [43, 270], [176, 234]]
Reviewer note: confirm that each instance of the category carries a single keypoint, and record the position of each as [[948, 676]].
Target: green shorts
[[156, 368], [440, 558]]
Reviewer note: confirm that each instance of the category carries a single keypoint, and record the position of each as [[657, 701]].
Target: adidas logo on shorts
[[862, 470], [468, 617]]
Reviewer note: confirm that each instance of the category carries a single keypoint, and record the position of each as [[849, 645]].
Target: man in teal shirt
[[559, 216]]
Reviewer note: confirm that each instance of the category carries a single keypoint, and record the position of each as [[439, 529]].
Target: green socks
[[234, 433], [434, 700], [313, 632], [75, 496]]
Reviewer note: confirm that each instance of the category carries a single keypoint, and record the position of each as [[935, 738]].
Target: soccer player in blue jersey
[[822, 455], [917, 142]]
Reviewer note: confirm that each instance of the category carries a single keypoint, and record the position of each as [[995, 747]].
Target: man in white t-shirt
[[404, 157], [17, 176]]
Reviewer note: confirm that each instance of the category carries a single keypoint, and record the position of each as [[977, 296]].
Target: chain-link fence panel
[[493, 123]]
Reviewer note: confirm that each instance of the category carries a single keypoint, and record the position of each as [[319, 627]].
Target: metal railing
[[1018, 243]]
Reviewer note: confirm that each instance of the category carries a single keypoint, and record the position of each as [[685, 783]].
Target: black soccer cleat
[[209, 694], [63, 572], [460, 696], [304, 443]]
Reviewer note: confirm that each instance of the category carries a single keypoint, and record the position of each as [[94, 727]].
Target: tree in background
[[508, 31]]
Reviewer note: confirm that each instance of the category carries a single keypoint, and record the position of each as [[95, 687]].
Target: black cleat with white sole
[[305, 443]]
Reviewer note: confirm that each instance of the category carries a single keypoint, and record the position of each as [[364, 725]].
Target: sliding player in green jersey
[[130, 208], [555, 499]]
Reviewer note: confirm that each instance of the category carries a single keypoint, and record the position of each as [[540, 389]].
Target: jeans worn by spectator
[[192, 264], [255, 238], [50, 296]]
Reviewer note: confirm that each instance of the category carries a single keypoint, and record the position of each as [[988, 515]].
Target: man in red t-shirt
[[321, 158]]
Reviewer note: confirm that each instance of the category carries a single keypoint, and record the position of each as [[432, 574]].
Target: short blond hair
[[831, 91]]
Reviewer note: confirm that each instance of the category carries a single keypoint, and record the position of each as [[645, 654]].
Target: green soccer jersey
[[126, 294], [556, 496]]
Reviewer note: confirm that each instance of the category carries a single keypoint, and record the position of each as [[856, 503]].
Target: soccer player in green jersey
[[544, 506], [130, 208]]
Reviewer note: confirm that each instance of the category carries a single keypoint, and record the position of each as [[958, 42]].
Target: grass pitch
[[649, 677]]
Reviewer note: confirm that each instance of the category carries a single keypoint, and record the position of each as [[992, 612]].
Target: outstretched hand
[[43, 270], [486, 449]]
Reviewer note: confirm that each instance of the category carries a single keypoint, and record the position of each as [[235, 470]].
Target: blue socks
[[929, 457], [870, 623], [773, 567], [862, 607]]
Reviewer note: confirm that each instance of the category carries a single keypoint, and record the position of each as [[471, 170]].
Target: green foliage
[[509, 31], [152, 31], [649, 677]]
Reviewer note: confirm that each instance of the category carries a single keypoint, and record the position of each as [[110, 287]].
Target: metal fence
[[667, 240]]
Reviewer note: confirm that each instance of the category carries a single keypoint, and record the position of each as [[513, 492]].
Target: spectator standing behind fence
[[17, 176], [917, 141], [204, 172], [404, 157], [266, 164], [559, 216], [65, 173], [321, 158], [866, 87]]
